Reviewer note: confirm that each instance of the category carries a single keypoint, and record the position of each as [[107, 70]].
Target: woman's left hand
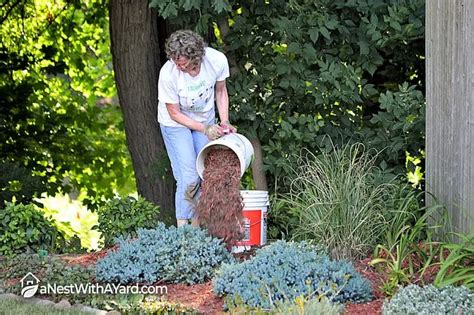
[[228, 128]]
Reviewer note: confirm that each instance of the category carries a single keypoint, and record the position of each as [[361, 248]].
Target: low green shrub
[[140, 304], [429, 300], [299, 306], [24, 227], [176, 255], [18, 266], [123, 216], [49, 270], [282, 271], [313, 306]]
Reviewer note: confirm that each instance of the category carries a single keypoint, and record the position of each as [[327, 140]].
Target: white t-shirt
[[195, 95]]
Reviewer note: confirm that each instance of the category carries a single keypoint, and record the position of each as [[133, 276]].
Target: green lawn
[[12, 307]]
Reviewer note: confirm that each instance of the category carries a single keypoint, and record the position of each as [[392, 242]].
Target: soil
[[201, 297]]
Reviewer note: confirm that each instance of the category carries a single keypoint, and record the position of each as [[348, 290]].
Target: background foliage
[[302, 70], [60, 129]]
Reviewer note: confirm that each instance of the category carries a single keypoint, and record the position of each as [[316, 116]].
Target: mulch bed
[[201, 297]]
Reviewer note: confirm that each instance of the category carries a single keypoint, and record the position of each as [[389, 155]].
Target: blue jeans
[[183, 146]]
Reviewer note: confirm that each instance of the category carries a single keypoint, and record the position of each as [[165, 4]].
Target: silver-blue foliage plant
[[284, 270], [174, 255], [430, 300]]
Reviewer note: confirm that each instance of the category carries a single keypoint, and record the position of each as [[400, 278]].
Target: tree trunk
[[450, 108], [257, 166], [136, 61]]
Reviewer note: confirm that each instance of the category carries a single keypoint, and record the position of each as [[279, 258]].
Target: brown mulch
[[198, 296], [376, 279], [86, 259]]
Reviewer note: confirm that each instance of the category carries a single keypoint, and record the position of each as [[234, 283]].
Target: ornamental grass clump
[[342, 200], [283, 271], [429, 300], [173, 255]]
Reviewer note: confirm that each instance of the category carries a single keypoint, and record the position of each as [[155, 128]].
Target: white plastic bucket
[[234, 141], [255, 211]]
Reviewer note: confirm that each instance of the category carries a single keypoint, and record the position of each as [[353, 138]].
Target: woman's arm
[[180, 118], [222, 100]]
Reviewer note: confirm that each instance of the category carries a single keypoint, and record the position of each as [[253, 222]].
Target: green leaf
[[364, 48], [395, 25], [374, 20], [191, 4], [324, 31], [221, 6], [294, 48], [314, 34], [169, 11]]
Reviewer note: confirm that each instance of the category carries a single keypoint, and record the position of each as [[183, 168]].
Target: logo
[[29, 285]]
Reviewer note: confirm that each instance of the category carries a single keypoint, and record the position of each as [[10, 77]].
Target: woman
[[190, 83]]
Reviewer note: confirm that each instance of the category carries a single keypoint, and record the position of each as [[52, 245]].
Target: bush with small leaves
[[429, 300], [282, 271], [174, 255], [24, 227], [124, 216], [299, 306]]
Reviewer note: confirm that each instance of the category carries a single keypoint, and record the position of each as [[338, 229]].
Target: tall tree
[[136, 58], [59, 126]]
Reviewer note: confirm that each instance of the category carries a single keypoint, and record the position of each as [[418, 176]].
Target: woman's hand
[[227, 127], [213, 132]]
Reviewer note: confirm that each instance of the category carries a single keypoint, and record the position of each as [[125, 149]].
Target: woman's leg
[[179, 143], [199, 140]]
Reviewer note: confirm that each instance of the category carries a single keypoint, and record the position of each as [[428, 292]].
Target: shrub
[[50, 270], [176, 255], [299, 306], [124, 216], [302, 306], [283, 271], [413, 299], [341, 199], [24, 227]]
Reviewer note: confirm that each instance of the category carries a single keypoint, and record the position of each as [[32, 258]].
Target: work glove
[[227, 127], [213, 131]]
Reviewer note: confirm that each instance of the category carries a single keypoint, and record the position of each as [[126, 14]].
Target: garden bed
[[202, 298]]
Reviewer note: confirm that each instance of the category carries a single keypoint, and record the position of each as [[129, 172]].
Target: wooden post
[[450, 108]]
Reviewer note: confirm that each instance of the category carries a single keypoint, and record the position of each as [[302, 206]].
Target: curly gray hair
[[185, 43]]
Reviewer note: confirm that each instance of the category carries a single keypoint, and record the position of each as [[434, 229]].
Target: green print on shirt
[[192, 88]]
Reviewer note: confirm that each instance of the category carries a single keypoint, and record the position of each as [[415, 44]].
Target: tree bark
[[136, 61], [258, 173]]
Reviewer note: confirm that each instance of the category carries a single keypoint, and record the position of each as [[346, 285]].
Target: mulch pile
[[220, 205]]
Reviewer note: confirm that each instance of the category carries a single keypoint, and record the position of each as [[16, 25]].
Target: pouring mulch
[[220, 205]]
